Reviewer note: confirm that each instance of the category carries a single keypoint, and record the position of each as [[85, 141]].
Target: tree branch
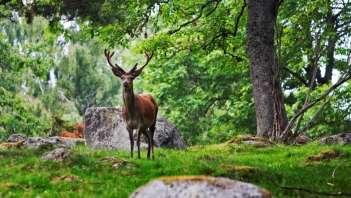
[[296, 75], [145, 18], [312, 122], [311, 104], [198, 16], [237, 20], [213, 102], [224, 32]]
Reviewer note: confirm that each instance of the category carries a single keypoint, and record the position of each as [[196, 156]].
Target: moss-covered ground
[[100, 173]]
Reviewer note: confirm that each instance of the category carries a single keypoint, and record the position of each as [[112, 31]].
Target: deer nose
[[125, 83]]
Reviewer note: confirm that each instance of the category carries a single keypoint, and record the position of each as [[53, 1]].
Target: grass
[[100, 173]]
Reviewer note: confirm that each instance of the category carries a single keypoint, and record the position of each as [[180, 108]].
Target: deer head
[[126, 77]]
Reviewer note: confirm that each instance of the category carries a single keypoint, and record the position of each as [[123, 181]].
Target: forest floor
[[312, 169]]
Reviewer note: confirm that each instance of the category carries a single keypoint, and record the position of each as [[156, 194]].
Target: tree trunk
[[331, 20], [271, 116]]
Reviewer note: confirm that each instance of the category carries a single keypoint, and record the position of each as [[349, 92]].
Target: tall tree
[[270, 111]]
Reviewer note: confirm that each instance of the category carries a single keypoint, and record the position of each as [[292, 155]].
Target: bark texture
[[271, 116]]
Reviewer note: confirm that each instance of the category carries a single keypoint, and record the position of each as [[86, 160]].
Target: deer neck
[[129, 102]]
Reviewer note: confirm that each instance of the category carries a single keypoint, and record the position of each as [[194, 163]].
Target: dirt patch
[[324, 156], [65, 178], [239, 169], [9, 145], [7, 185], [209, 158], [116, 162]]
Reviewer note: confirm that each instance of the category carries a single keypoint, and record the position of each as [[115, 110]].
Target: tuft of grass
[[104, 173]]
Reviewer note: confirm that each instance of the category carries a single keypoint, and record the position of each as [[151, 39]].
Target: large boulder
[[199, 186], [105, 128], [341, 138]]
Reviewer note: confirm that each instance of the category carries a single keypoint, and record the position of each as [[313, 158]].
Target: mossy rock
[[325, 155]]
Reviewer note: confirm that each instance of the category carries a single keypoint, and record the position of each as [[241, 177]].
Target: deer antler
[[148, 58], [136, 71], [116, 69]]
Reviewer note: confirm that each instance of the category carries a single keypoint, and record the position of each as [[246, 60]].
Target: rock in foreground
[[199, 186], [105, 128]]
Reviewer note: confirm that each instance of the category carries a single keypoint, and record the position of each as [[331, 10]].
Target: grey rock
[[199, 186], [341, 138], [106, 129], [52, 142], [45, 142], [17, 137], [71, 142], [58, 154], [255, 143], [42, 142], [167, 135], [302, 139]]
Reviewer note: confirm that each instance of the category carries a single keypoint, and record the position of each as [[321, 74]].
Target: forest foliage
[[52, 66]]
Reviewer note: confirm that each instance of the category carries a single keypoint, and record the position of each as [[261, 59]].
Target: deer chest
[[132, 121]]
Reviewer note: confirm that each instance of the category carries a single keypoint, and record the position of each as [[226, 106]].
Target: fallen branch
[[311, 87], [313, 121], [311, 104]]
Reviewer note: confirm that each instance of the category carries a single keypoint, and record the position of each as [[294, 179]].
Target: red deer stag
[[139, 111]]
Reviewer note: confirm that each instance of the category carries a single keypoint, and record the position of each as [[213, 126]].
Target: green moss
[[90, 173]]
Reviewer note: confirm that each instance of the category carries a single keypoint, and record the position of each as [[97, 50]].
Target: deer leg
[[138, 142], [148, 144], [152, 147], [131, 138], [152, 132]]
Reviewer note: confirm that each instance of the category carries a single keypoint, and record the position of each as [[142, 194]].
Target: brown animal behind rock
[[78, 132]]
